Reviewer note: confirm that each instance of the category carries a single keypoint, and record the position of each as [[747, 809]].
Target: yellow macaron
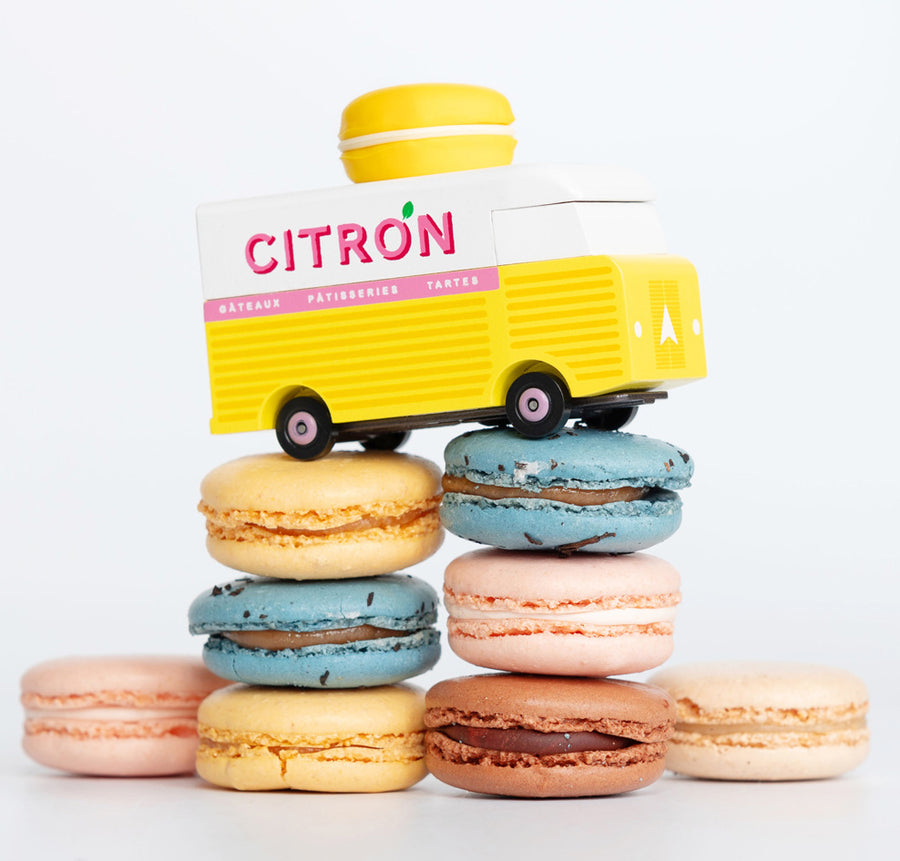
[[363, 740], [350, 514], [420, 129]]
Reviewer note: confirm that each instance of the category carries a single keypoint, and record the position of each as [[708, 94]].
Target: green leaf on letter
[[407, 209]]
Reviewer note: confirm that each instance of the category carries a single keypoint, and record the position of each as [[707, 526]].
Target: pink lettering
[[315, 235], [351, 238], [443, 238], [250, 253], [405, 239], [288, 251]]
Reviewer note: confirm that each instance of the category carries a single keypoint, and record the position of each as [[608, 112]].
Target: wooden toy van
[[520, 294]]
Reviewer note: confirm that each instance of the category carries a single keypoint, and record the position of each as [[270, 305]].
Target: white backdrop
[[770, 132]]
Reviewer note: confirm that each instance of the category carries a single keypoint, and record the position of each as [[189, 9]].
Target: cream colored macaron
[[350, 514], [363, 740], [765, 720], [419, 129]]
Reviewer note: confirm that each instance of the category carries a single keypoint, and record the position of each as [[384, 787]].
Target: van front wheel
[[537, 405], [304, 428]]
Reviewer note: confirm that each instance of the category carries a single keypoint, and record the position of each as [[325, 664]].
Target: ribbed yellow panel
[[369, 362], [664, 326], [568, 314], [668, 333]]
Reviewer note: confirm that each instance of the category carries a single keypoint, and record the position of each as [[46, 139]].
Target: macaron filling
[[567, 495], [406, 746], [751, 729], [424, 133], [279, 640], [243, 525], [520, 740], [603, 612]]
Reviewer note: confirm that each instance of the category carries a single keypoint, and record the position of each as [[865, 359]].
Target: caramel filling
[[516, 740], [275, 523], [277, 640], [357, 525], [210, 745], [569, 495]]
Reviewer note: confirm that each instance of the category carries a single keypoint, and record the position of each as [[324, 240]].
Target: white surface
[[770, 133]]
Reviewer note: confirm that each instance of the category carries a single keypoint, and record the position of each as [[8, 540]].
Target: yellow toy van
[[520, 294]]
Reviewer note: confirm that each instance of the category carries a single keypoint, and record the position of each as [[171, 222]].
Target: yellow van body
[[598, 322]]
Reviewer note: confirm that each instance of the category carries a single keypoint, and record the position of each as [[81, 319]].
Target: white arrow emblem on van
[[667, 330]]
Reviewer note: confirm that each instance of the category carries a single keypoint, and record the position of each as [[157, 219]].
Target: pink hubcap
[[533, 404], [302, 429]]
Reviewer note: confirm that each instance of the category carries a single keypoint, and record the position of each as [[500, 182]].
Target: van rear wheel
[[537, 405], [612, 419], [304, 428]]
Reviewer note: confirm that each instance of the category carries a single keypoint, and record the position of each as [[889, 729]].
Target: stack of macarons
[[563, 598], [322, 627]]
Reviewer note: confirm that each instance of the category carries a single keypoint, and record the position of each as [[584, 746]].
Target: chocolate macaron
[[546, 737]]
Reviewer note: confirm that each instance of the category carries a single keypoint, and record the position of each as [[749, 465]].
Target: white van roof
[[469, 199]]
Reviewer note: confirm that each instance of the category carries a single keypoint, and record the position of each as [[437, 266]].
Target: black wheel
[[385, 441], [612, 419], [537, 405], [304, 428]]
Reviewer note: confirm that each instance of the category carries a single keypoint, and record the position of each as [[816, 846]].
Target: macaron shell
[[422, 105], [424, 157], [642, 712], [533, 612], [715, 687], [576, 457], [509, 579], [260, 738], [533, 780], [529, 523], [754, 760], [547, 653], [130, 680], [364, 554], [162, 750], [396, 601], [343, 479], [260, 770]]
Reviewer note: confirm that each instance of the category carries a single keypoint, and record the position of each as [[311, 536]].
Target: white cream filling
[[110, 714], [619, 616], [422, 133]]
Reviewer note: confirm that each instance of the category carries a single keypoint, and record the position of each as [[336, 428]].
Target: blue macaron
[[318, 633], [579, 489]]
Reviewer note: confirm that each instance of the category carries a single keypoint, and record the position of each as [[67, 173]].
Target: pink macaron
[[115, 716], [586, 615]]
